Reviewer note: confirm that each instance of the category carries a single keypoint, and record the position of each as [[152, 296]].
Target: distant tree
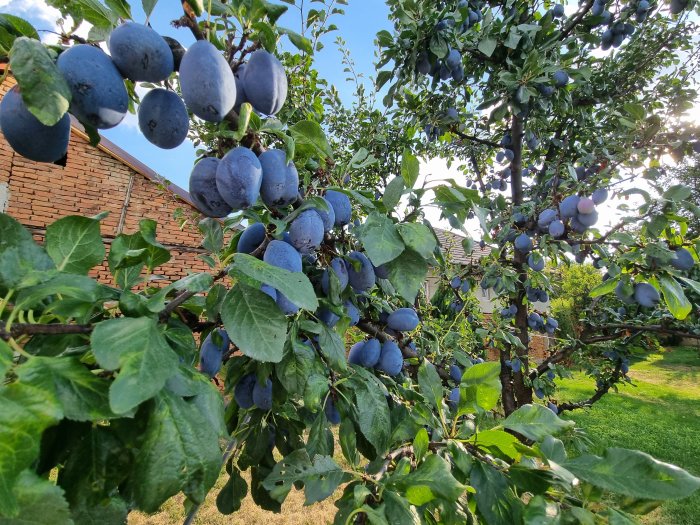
[[687, 172]]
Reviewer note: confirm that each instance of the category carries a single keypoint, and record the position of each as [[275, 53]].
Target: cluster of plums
[[99, 97]]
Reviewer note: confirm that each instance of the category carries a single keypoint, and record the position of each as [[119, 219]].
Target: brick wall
[[95, 180]]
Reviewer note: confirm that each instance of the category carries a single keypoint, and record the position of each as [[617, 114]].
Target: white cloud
[[36, 9]]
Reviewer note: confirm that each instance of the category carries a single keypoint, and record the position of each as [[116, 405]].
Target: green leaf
[[213, 234], [180, 451], [604, 288], [694, 285], [678, 304], [420, 444], [40, 501], [98, 15], [418, 237], [320, 478], [393, 192], [148, 6], [332, 348], [409, 168], [231, 495], [430, 384], [83, 395], [12, 27], [497, 441], [678, 193], [480, 388], [75, 244], [309, 139], [495, 500], [535, 422], [348, 441], [487, 46], [296, 367], [294, 285], [636, 111], [373, 416], [300, 42], [27, 410], [121, 8], [432, 479], [407, 273], [380, 239], [553, 449], [536, 512], [77, 287], [635, 474], [139, 350], [44, 90], [255, 324], [398, 510], [6, 357], [19, 254]]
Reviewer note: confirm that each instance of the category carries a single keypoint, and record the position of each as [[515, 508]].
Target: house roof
[[452, 243]]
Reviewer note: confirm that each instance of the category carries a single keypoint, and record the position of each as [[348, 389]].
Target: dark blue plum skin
[[238, 178], [27, 135], [328, 217], [352, 312], [682, 260], [341, 207], [327, 317], [141, 54], [99, 97], [282, 255], [332, 414], [240, 90], [163, 118], [340, 270], [280, 179], [243, 392], [365, 353], [403, 320], [207, 83], [455, 373], [262, 395], [569, 206], [364, 279], [211, 354], [203, 189], [265, 82], [251, 238], [306, 231], [453, 399], [646, 295], [391, 359], [177, 51], [523, 243]]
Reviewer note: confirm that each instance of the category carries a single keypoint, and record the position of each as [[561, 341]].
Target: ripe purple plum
[[141, 54], [163, 118], [238, 178], [204, 191]]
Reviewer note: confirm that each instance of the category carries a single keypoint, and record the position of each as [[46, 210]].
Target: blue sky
[[358, 27]]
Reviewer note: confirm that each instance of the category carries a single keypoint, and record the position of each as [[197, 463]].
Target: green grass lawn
[[659, 415]]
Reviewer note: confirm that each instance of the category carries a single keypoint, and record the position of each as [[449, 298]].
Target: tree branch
[[19, 329], [478, 140]]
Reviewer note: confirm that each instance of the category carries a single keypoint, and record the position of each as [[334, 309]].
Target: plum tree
[[140, 53], [98, 94], [238, 178], [27, 135], [163, 118], [204, 191], [265, 82], [207, 82]]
